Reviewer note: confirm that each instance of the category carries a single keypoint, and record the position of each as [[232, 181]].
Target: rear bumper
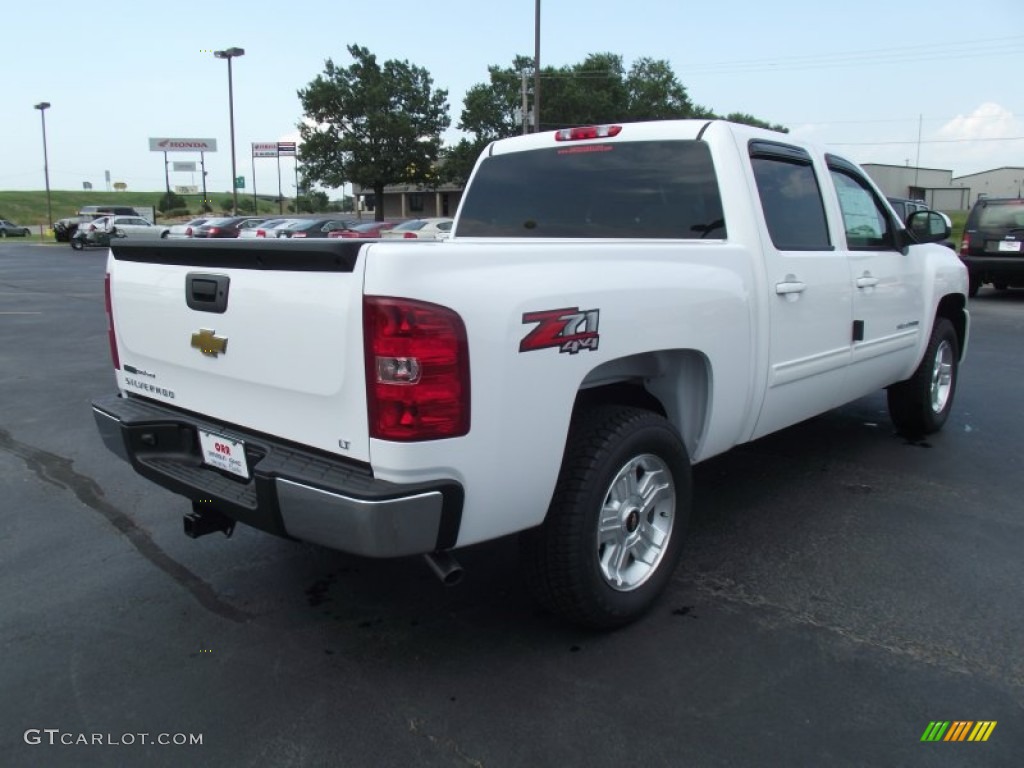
[[292, 492], [995, 267]]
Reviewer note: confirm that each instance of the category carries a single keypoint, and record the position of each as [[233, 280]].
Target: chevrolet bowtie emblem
[[209, 343]]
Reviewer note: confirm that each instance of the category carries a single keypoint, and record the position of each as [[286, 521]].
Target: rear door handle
[[867, 281], [790, 286]]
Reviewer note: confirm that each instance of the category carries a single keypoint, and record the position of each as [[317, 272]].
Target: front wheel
[[615, 528], [76, 243], [921, 404]]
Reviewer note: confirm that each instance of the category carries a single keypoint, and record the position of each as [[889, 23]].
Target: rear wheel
[[973, 284], [615, 528], [76, 243], [921, 404]]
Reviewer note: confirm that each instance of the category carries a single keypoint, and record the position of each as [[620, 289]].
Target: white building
[[1007, 181], [933, 185]]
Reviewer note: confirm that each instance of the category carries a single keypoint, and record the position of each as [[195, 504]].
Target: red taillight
[[188, 231], [410, 236], [261, 233], [213, 231], [965, 244], [588, 132], [111, 335], [417, 370]]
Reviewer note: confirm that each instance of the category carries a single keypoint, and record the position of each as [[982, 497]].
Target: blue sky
[[868, 78]]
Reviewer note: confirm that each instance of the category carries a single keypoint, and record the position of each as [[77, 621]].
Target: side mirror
[[929, 226]]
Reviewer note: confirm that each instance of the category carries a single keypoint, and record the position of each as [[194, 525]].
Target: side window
[[864, 219], [790, 198]]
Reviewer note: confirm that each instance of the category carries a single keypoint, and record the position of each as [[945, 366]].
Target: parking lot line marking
[[21, 313]]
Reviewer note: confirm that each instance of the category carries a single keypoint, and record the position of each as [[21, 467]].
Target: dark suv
[[993, 244]]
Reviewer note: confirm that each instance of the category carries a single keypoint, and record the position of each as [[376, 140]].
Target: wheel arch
[[953, 307], [675, 384]]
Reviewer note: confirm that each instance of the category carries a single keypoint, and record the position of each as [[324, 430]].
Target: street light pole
[[229, 54], [536, 67], [42, 107]]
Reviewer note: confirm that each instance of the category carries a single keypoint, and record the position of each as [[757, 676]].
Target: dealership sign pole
[[252, 159], [288, 148], [165, 145], [261, 149]]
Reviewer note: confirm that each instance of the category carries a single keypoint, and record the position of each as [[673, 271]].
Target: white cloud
[[989, 121], [988, 137]]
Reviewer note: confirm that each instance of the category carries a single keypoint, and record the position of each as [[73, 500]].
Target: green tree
[[372, 124], [170, 201], [743, 117], [594, 91], [589, 93], [655, 93]]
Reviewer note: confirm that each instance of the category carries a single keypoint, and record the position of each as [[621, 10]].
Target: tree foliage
[[169, 201], [597, 90], [372, 124]]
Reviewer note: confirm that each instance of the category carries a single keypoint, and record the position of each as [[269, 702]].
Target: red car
[[228, 226], [369, 230]]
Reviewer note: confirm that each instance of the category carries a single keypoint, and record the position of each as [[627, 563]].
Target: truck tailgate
[[265, 335]]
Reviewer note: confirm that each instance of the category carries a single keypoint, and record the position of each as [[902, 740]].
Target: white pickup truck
[[616, 303]]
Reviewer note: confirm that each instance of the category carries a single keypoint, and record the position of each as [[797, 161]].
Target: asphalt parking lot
[[841, 589]]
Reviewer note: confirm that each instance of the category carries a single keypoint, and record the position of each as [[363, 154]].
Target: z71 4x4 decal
[[570, 329]]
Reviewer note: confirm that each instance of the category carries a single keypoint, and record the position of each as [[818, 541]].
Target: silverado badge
[[209, 343]]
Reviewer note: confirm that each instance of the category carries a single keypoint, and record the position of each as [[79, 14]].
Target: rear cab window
[[638, 189]]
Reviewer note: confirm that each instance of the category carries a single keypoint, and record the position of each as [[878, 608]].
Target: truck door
[[810, 291], [888, 295]]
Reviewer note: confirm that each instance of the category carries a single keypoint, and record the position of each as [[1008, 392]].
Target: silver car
[[132, 227]]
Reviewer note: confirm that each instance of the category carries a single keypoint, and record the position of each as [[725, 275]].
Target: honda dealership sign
[[182, 145]]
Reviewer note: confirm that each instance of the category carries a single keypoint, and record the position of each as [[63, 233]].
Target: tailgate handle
[[207, 293]]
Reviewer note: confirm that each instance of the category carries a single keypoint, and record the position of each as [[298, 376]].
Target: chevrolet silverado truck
[[615, 304]]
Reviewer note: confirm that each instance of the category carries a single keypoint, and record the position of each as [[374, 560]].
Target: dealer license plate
[[1009, 245], [224, 453]]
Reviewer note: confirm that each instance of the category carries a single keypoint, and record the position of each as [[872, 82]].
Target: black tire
[[973, 284], [76, 244], [1001, 286], [921, 404], [565, 559]]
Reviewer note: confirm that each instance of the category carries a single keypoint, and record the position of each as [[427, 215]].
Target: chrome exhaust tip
[[445, 567]]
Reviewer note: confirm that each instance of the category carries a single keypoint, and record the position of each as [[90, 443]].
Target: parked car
[[188, 228], [315, 227], [904, 206], [64, 229], [270, 228], [228, 226], [10, 229], [420, 229], [993, 244], [134, 227], [369, 230]]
